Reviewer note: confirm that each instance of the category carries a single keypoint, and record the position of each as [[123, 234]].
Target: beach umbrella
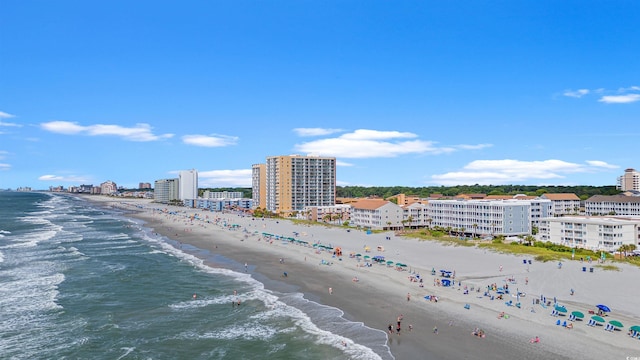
[[616, 323], [604, 308], [597, 318], [578, 314], [367, 257], [389, 262], [635, 328], [358, 254], [561, 308]]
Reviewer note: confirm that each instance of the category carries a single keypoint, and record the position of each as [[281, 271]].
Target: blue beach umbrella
[[604, 308]]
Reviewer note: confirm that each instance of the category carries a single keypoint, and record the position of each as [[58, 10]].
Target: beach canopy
[[616, 323], [578, 314], [604, 308], [597, 318], [635, 328], [561, 308]]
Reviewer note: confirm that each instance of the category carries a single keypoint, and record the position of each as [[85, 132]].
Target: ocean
[[83, 282]]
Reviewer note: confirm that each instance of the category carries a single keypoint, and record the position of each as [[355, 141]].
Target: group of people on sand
[[398, 327]]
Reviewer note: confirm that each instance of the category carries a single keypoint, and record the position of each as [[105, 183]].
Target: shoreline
[[380, 295]]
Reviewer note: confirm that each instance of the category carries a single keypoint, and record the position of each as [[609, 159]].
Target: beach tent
[[617, 324], [561, 309], [446, 282], [576, 315]]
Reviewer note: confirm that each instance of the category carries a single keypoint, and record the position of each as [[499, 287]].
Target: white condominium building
[[612, 205], [376, 214], [482, 217], [563, 203], [188, 180], [416, 215], [593, 233]]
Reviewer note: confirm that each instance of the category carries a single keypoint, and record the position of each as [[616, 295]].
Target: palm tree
[[530, 239], [475, 229]]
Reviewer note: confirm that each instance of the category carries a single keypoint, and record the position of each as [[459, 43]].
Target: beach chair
[[558, 322], [518, 305], [467, 306], [564, 323], [572, 317], [554, 312], [509, 303], [591, 322]]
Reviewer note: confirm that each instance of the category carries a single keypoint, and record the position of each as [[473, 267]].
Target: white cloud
[[577, 93], [315, 131], [225, 178], [494, 172], [622, 95], [602, 164], [209, 141], [364, 143], [64, 178], [4, 166], [342, 163], [140, 132], [3, 153], [4, 115], [620, 99], [474, 147]]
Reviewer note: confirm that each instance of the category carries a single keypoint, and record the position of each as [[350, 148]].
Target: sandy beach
[[384, 291]]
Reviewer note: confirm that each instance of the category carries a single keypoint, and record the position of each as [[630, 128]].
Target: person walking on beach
[[408, 296], [246, 267], [435, 329], [500, 268], [330, 291]]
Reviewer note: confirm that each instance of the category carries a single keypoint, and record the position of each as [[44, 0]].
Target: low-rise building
[[376, 214], [593, 233], [338, 213], [612, 205], [481, 218], [564, 203]]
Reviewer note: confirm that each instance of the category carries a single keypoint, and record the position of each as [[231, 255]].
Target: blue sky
[[411, 93]]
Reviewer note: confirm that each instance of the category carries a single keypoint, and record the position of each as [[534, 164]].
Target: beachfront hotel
[[630, 180], [188, 184], [593, 233], [259, 185], [482, 217], [295, 181], [166, 190]]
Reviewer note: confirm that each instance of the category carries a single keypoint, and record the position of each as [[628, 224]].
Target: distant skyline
[[407, 93]]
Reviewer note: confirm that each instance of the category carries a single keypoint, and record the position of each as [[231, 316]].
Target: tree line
[[582, 191]]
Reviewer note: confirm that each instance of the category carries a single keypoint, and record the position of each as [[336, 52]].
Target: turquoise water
[[80, 282]]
